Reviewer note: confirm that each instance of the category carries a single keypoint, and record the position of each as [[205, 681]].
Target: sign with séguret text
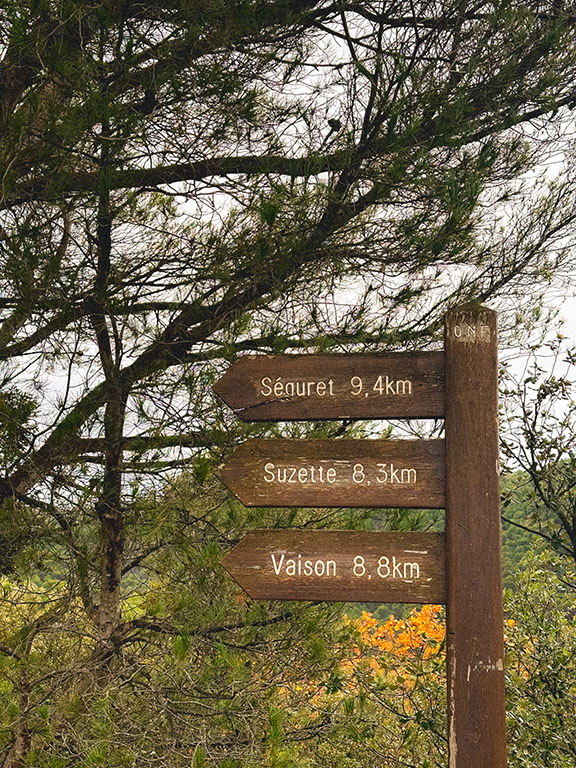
[[351, 386]]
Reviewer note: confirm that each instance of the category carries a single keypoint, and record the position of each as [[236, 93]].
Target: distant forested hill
[[516, 518]]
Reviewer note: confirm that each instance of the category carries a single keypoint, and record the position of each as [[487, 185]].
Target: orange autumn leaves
[[398, 663], [395, 653], [421, 633], [397, 642]]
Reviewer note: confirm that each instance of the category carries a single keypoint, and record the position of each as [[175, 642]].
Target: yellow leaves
[[389, 651], [510, 624], [423, 632]]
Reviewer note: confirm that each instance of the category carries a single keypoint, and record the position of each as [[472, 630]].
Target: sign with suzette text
[[337, 473]]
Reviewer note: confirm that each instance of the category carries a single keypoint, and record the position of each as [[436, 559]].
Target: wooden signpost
[[351, 566], [462, 569], [337, 473]]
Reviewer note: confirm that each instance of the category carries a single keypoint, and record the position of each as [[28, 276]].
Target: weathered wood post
[[475, 635]]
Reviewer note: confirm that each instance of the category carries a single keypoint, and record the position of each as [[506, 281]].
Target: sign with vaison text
[[361, 566]]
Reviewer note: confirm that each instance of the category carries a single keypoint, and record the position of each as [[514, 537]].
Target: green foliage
[[539, 439], [519, 538], [17, 410], [541, 662], [204, 672]]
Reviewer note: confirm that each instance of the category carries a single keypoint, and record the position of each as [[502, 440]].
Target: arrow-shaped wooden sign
[[337, 473], [353, 386], [361, 566]]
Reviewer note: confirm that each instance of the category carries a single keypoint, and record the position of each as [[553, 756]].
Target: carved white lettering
[[408, 476], [277, 567], [320, 474], [388, 473], [404, 387], [384, 567], [289, 389], [385, 385], [467, 332], [360, 566], [397, 569], [299, 566], [411, 571], [302, 475]]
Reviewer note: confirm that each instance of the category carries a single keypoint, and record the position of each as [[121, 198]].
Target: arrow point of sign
[[234, 387], [228, 562], [232, 563], [222, 389]]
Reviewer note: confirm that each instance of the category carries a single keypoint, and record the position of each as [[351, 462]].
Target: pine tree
[[182, 182]]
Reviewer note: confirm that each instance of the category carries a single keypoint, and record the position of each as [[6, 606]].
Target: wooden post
[[475, 633]]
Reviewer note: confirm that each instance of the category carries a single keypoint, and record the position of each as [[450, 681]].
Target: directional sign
[[337, 473], [316, 387], [361, 566]]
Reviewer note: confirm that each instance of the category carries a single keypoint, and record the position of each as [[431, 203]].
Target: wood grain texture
[[360, 566], [337, 473], [352, 386], [475, 642]]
